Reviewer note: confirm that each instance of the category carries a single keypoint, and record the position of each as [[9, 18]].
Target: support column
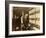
[[22, 19]]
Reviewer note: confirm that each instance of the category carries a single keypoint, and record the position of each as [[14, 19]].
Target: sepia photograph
[[26, 18]]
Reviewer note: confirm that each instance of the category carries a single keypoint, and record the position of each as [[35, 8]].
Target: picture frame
[[22, 5]]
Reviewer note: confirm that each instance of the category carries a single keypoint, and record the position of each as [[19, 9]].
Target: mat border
[[7, 14]]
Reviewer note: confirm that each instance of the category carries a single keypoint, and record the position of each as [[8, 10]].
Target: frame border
[[7, 17]]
